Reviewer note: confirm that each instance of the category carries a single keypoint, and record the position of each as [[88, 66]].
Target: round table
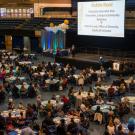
[[53, 102], [14, 113], [25, 62], [104, 108], [13, 78], [67, 119], [84, 94]]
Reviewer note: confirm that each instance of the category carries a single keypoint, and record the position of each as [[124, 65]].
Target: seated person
[[37, 88], [29, 112], [9, 120], [23, 89], [94, 76], [122, 88], [65, 99], [126, 107], [72, 79], [21, 106], [83, 107], [49, 105], [60, 113], [79, 99], [84, 123], [131, 126], [111, 91], [2, 122], [98, 110], [76, 112], [120, 130], [15, 91], [110, 112], [2, 95], [38, 101], [116, 122], [17, 81], [98, 115], [27, 131], [21, 120], [90, 100], [110, 102], [11, 105], [72, 127], [100, 101], [117, 82], [31, 91], [50, 73], [47, 122], [61, 129], [132, 86], [81, 80], [45, 76], [98, 83], [53, 97], [111, 128], [123, 82]]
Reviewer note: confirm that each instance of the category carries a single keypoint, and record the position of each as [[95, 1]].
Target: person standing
[[73, 50]]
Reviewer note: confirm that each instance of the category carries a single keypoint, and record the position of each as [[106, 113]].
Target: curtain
[[18, 42], [2, 42], [34, 44]]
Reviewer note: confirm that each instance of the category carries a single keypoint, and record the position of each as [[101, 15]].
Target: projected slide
[[101, 18]]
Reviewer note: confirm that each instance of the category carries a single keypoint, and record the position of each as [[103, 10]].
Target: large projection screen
[[101, 18]]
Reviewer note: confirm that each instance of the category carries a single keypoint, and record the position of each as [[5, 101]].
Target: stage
[[84, 60]]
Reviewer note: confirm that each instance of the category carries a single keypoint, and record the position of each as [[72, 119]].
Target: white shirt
[[27, 131]]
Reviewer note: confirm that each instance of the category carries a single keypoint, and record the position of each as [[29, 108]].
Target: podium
[[116, 66]]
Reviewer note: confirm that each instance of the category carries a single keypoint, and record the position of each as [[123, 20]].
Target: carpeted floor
[[94, 128]]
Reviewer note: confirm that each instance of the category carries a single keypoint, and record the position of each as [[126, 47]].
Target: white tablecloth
[[105, 87], [130, 99], [13, 78], [49, 81], [99, 73], [25, 62], [67, 119], [14, 113], [32, 54], [19, 86], [84, 94], [128, 81], [104, 108], [53, 102]]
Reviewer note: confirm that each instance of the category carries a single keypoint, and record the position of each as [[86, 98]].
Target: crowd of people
[[63, 114]]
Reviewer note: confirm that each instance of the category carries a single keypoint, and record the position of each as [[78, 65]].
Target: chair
[[52, 130], [132, 88], [94, 77], [23, 94], [13, 133], [1, 132], [52, 87]]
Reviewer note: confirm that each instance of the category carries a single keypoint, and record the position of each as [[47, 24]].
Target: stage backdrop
[[52, 38]]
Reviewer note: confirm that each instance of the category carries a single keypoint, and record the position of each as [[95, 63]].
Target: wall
[[8, 42], [35, 1], [39, 6], [55, 1], [130, 14], [86, 42]]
